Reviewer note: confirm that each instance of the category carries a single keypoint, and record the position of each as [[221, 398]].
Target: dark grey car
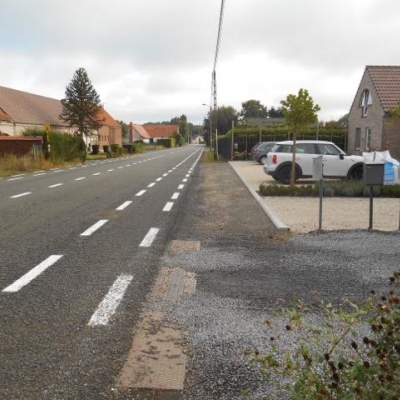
[[260, 152]]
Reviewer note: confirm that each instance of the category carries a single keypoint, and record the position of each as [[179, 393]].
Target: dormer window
[[366, 101]]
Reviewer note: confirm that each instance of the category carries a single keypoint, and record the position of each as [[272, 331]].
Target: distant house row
[[21, 110]]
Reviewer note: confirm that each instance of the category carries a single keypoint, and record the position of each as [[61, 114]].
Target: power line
[[213, 76], [221, 19]]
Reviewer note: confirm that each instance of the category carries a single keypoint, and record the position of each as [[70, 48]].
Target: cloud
[[152, 59]]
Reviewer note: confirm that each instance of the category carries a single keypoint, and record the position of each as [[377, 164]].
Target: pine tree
[[81, 105]]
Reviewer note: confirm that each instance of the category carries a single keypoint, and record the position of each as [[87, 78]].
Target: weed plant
[[352, 353]]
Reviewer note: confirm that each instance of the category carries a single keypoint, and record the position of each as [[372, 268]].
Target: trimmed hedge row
[[331, 189]]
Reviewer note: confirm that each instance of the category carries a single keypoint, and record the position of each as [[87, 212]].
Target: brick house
[[21, 110], [371, 125]]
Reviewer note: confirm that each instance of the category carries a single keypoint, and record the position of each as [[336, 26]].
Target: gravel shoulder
[[245, 272], [301, 215]]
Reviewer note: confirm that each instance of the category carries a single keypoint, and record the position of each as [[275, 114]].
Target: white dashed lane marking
[[141, 193], [123, 206], [32, 274], [181, 187], [94, 227], [111, 301], [151, 185], [79, 179], [56, 185], [149, 238], [20, 195], [168, 206], [175, 196]]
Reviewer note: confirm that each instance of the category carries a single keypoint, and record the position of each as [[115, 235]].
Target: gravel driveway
[[301, 215], [245, 270]]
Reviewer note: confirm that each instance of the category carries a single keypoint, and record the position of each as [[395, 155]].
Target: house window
[[357, 142], [368, 136], [366, 100]]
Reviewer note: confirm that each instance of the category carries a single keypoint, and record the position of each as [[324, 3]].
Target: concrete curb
[[271, 215]]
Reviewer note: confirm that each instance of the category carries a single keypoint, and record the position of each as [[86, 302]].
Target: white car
[[336, 164]]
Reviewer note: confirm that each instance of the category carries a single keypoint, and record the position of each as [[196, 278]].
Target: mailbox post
[[373, 176], [318, 169]]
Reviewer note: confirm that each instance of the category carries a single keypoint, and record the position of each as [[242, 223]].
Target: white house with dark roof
[[371, 125]]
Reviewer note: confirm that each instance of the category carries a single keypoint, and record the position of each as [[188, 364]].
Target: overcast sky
[[151, 60]]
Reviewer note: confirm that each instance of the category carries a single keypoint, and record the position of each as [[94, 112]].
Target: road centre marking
[[149, 238], [111, 301], [20, 195], [56, 185], [97, 173], [110, 170], [181, 187], [123, 205], [94, 227], [151, 185], [79, 179], [184, 180], [165, 174], [141, 193], [175, 196], [168, 206], [32, 274]]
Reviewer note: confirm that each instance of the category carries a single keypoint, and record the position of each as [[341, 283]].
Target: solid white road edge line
[[111, 301], [124, 205], [32, 274], [168, 206], [94, 227], [149, 238]]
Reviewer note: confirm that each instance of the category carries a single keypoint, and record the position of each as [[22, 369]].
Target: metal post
[[371, 206], [321, 191]]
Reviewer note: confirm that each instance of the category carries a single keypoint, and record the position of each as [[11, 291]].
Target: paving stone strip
[[157, 358]]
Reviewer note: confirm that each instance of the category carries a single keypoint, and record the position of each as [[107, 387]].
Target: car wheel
[[356, 174], [263, 160], [284, 175]]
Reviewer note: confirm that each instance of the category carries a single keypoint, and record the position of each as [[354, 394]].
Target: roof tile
[[160, 130], [386, 80]]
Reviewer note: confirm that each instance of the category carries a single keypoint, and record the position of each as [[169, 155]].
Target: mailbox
[[374, 174], [317, 168]]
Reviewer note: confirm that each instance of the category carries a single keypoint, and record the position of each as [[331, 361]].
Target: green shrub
[[63, 146], [339, 188], [352, 352], [138, 147], [115, 149]]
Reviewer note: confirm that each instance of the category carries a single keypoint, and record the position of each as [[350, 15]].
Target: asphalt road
[[69, 238]]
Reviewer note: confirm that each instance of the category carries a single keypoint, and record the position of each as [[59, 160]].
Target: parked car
[[260, 151], [336, 164]]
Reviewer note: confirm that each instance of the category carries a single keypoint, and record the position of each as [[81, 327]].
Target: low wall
[[19, 146]]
